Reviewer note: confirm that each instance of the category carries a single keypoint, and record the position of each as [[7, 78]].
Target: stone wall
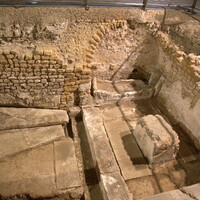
[[180, 93], [59, 76], [118, 46], [40, 78]]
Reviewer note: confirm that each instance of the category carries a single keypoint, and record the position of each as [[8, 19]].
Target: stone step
[[172, 195], [18, 140], [43, 172], [14, 118], [127, 152]]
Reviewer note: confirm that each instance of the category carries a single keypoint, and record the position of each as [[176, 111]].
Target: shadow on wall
[[149, 53], [122, 62]]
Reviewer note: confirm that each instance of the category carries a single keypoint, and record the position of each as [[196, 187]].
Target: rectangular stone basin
[[156, 138]]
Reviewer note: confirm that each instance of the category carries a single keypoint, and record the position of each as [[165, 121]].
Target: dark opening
[[140, 74]]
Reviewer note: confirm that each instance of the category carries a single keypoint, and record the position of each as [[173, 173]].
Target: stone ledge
[[113, 185], [124, 90], [15, 118], [99, 143]]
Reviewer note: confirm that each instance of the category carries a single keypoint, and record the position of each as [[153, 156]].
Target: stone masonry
[[39, 78]]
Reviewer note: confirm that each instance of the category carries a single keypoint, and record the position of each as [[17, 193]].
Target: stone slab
[[110, 112], [156, 138], [14, 118], [100, 147], [193, 190], [29, 173], [124, 90], [127, 152], [17, 140], [172, 195], [67, 175], [114, 187]]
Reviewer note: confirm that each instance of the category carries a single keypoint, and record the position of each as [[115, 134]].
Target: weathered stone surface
[[99, 143], [29, 173], [127, 152], [124, 90], [112, 183], [67, 175], [28, 117], [172, 195], [114, 187], [17, 140], [193, 190], [9, 100], [156, 138]]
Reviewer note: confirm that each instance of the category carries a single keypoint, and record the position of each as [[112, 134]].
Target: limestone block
[[100, 34], [172, 195], [6, 51], [93, 47], [67, 175], [89, 56], [45, 57], [2, 57], [114, 187], [10, 56], [102, 29], [29, 173], [38, 51], [48, 52], [27, 117], [78, 67], [85, 87], [193, 190], [100, 147], [156, 138], [28, 57], [94, 42], [18, 140], [88, 60], [96, 38]]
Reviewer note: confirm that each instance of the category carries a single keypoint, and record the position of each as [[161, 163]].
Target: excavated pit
[[75, 90]]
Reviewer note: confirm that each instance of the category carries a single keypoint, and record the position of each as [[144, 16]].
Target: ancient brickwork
[[40, 78], [98, 36], [185, 66], [180, 92]]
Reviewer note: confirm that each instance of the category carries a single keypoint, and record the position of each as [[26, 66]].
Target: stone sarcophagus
[[156, 138]]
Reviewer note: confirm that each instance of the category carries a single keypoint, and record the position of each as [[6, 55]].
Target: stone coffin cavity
[[124, 90], [156, 138]]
